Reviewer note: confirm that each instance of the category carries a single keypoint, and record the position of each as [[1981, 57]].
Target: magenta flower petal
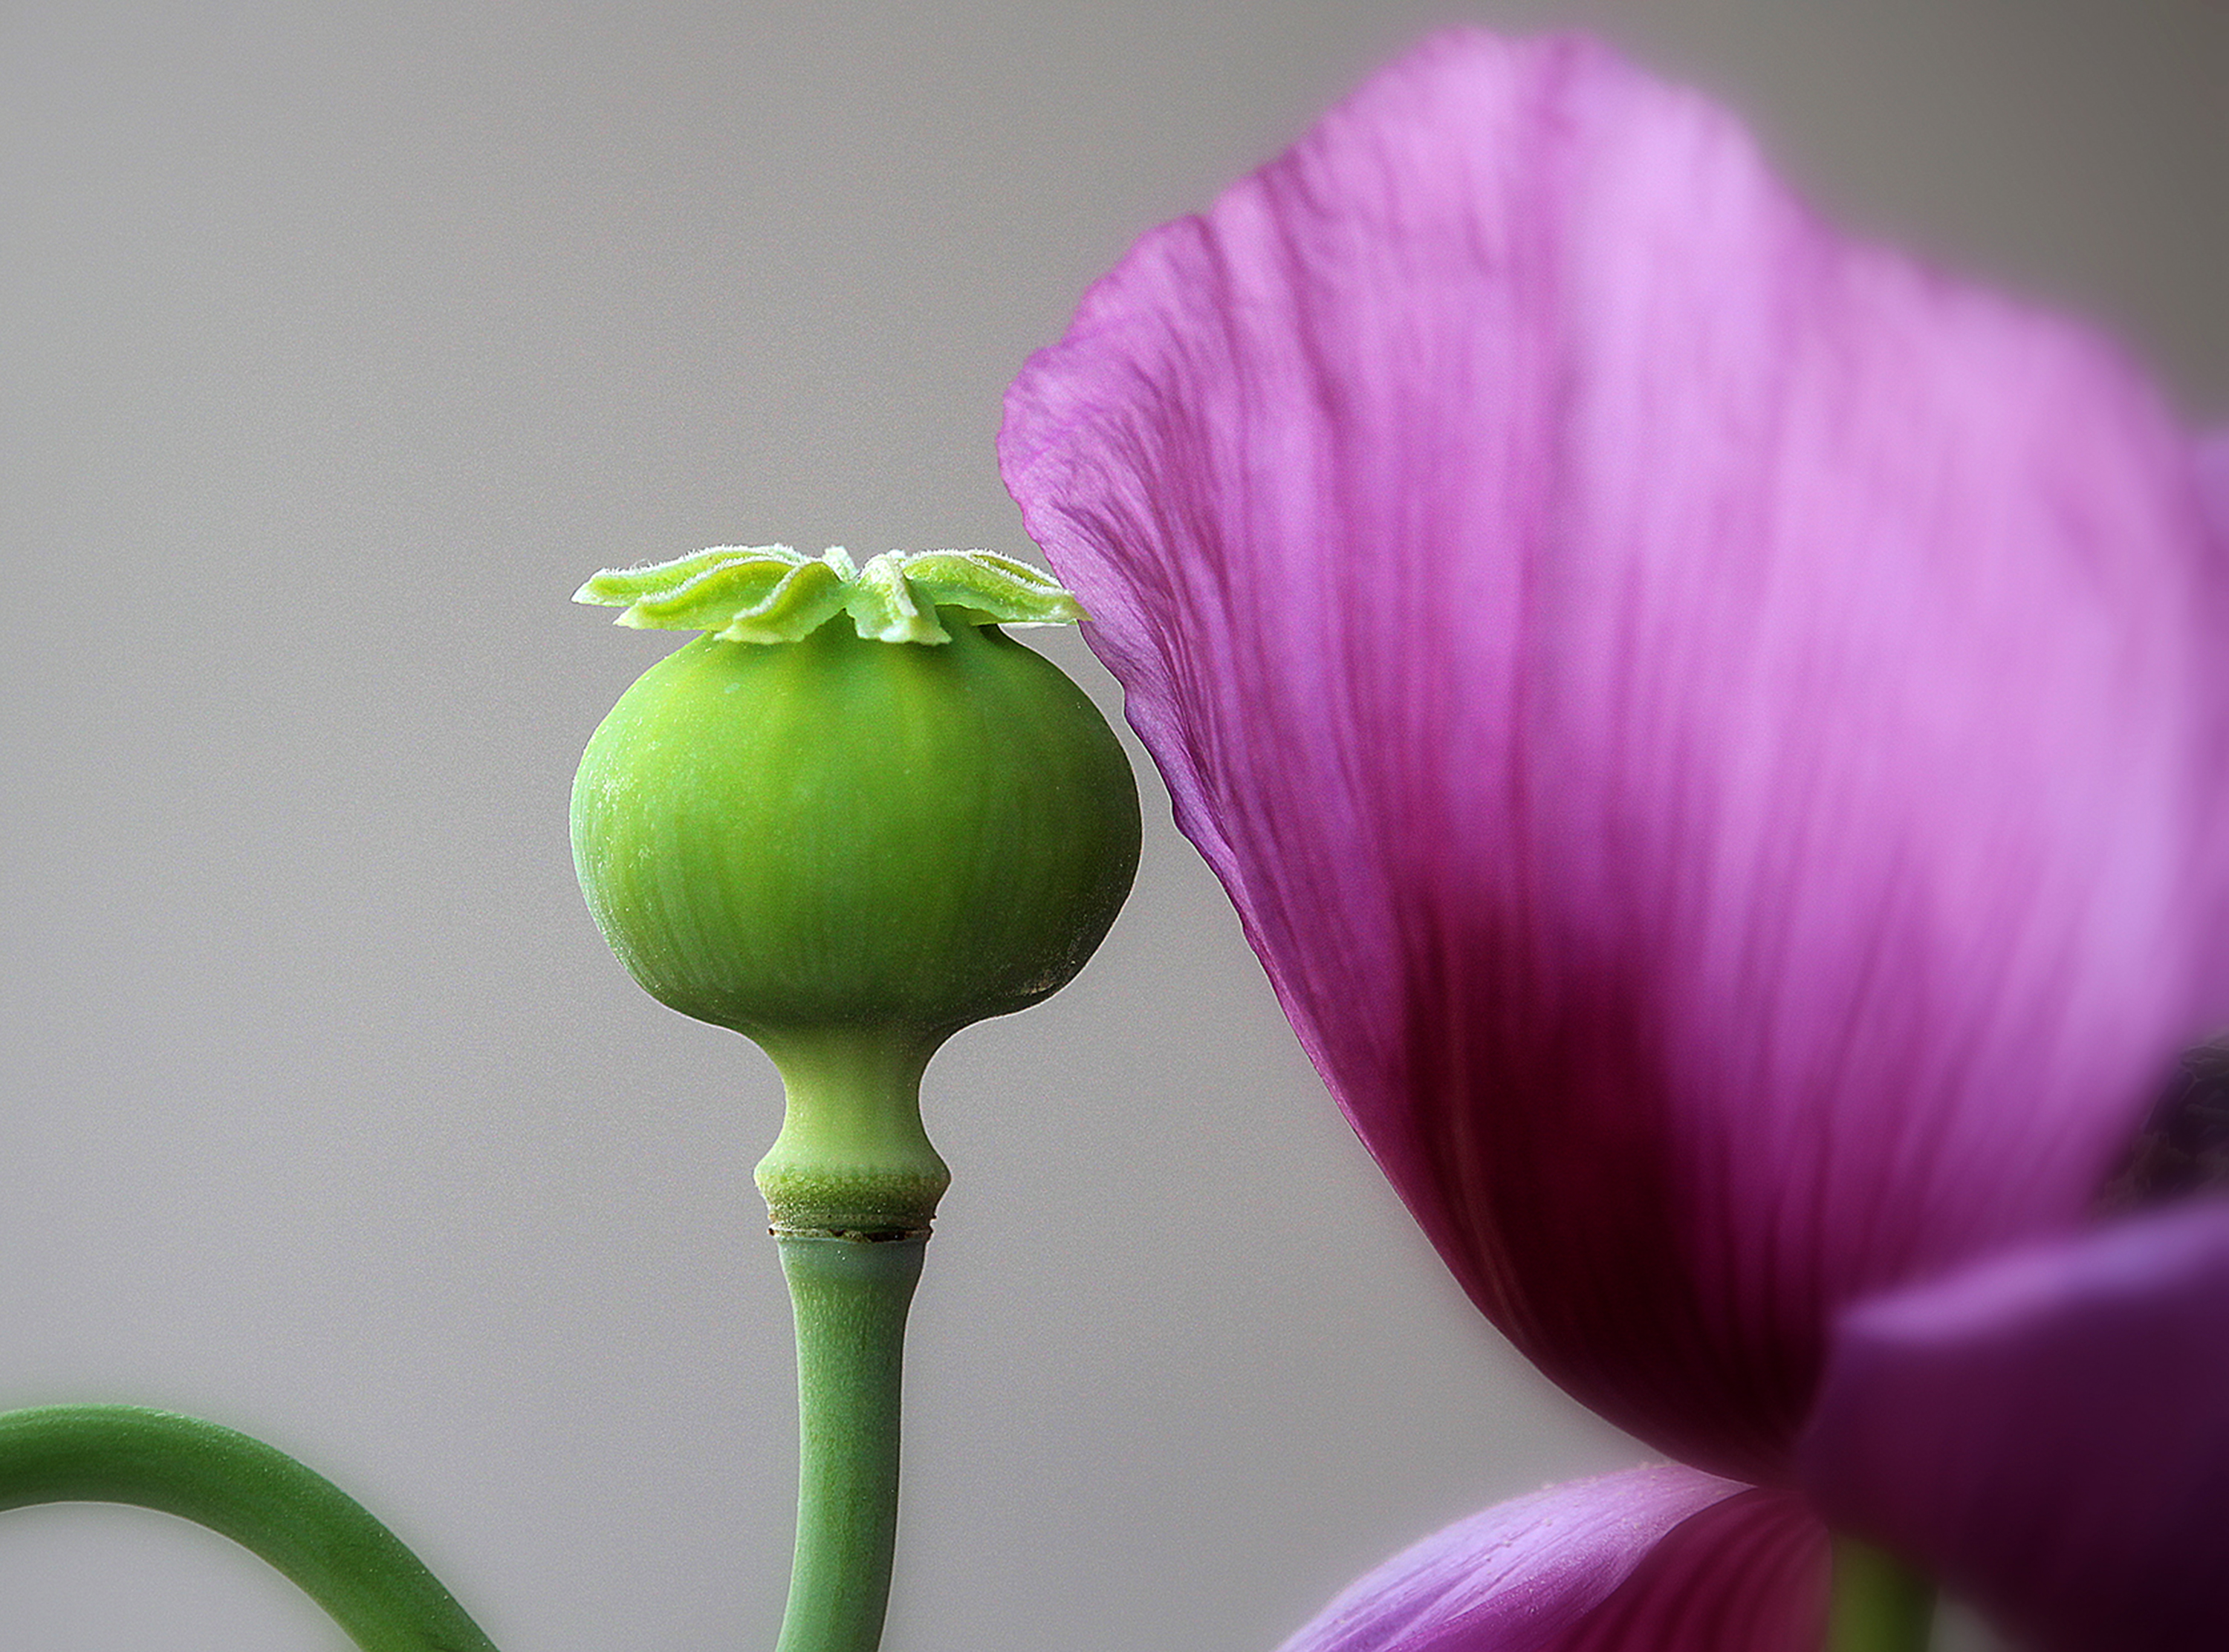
[[1709, 725], [1746, 1575], [2214, 485], [1651, 1558], [2047, 1430]]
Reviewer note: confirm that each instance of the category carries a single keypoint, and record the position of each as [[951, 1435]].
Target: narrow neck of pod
[[852, 1157]]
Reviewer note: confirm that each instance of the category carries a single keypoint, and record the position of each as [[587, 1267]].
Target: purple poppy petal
[[2214, 484], [2048, 1431], [1746, 1575], [1708, 725], [1659, 1558]]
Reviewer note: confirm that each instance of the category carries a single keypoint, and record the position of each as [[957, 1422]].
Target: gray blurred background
[[338, 343]]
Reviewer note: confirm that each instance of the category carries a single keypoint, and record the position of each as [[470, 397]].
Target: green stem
[[254, 1493], [849, 1295], [1879, 1603]]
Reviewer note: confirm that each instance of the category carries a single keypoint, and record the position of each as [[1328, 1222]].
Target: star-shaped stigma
[[770, 593]]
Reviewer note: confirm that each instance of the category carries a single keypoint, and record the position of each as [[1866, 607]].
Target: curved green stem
[[849, 1294], [1879, 1603], [254, 1493]]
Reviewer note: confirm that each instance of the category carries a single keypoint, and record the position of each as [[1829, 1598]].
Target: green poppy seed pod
[[847, 841]]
